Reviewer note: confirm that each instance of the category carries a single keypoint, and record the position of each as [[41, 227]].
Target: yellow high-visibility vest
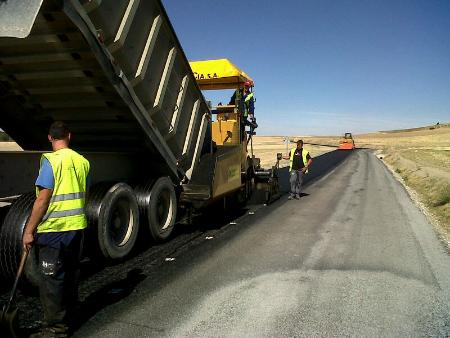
[[66, 209], [247, 103], [305, 153]]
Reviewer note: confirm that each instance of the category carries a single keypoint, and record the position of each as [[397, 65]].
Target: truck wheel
[[160, 208], [114, 215], [242, 196], [249, 188], [11, 235], [268, 195], [3, 212]]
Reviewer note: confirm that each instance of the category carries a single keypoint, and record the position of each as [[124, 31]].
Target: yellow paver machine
[[236, 166]]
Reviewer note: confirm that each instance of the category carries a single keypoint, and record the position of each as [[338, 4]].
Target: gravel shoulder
[[427, 186]]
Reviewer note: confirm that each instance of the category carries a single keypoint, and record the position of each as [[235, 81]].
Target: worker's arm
[[40, 207], [309, 158]]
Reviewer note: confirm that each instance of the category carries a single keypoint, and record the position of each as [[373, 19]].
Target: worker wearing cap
[[299, 162], [56, 226]]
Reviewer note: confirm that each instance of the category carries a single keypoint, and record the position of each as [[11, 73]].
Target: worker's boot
[[253, 123]]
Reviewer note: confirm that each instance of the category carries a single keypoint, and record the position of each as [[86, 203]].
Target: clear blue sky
[[326, 67]]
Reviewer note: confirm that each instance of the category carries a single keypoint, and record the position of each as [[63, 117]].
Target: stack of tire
[[114, 212]]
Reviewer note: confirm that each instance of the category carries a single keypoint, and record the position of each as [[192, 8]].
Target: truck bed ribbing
[[114, 70]]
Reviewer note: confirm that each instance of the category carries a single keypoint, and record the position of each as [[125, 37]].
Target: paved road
[[353, 257]]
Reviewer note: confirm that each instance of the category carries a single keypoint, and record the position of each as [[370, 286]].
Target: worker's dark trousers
[[59, 269], [296, 180], [247, 122]]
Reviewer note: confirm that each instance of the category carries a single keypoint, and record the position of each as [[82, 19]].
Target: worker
[[243, 98], [56, 227], [299, 162], [249, 106], [236, 99]]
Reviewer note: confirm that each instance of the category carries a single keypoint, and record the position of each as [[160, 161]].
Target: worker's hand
[[27, 240], [304, 169], [285, 157]]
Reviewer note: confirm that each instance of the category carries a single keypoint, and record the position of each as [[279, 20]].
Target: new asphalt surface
[[353, 257]]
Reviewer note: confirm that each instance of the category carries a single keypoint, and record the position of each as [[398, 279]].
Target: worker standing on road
[[299, 162], [56, 226]]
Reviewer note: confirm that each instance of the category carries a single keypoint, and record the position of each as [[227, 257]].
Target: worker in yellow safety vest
[[299, 162], [56, 227], [249, 106]]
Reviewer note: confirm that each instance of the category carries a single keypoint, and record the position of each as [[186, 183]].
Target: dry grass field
[[267, 147]]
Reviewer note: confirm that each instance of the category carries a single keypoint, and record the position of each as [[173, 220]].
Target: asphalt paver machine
[[236, 165]]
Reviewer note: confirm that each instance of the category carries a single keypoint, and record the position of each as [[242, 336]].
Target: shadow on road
[[189, 242], [321, 166], [104, 284], [99, 299]]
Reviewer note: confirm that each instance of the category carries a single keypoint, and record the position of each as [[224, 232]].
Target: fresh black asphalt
[[353, 257]]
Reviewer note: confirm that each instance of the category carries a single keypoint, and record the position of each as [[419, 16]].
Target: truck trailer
[[115, 72]]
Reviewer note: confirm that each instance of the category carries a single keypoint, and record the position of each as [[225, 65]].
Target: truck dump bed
[[112, 69]]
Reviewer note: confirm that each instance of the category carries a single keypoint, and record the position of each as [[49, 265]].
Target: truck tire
[[240, 198], [142, 192], [113, 215], [249, 183], [158, 203], [3, 212], [11, 235]]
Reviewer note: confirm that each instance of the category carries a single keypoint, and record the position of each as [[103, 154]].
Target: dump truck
[[346, 142], [115, 71]]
